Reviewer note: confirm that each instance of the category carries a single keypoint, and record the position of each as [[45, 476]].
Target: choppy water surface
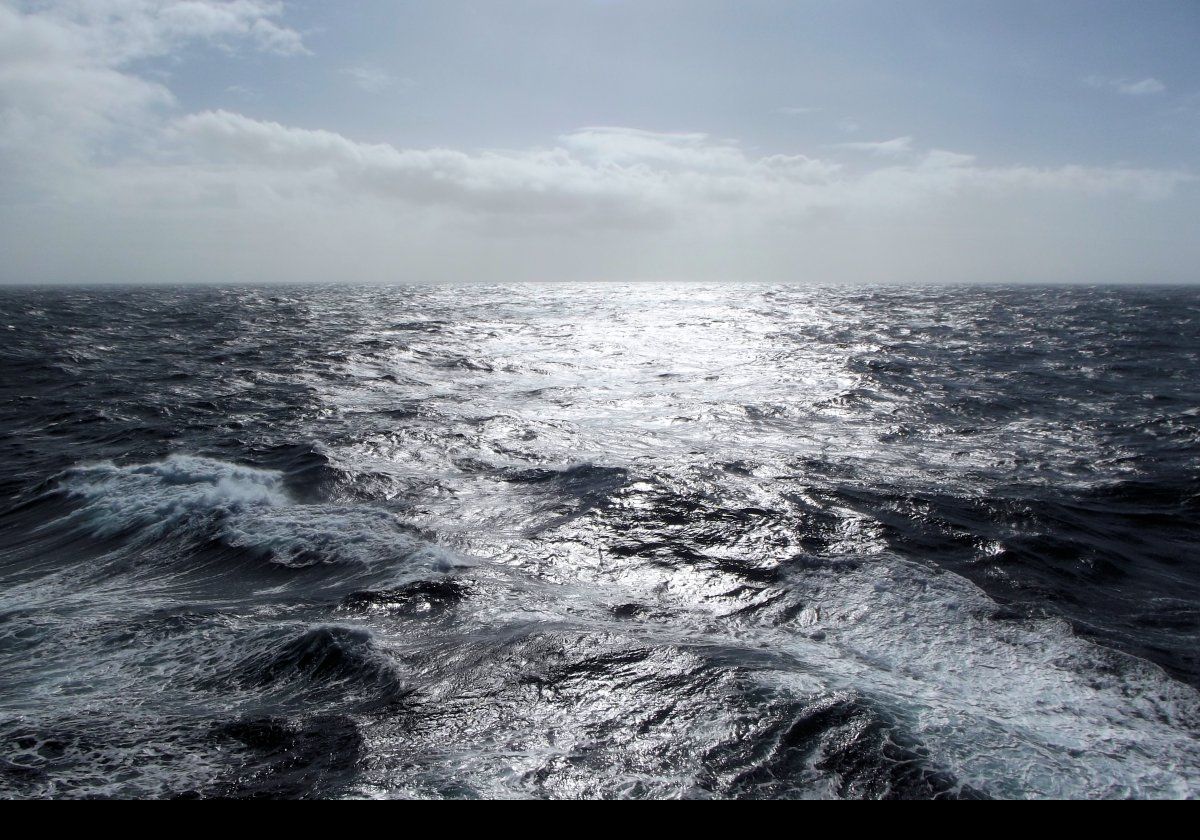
[[599, 541]]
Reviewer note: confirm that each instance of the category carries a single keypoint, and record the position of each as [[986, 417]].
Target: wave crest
[[244, 509]]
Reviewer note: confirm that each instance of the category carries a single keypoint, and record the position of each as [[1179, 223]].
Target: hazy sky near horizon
[[388, 141]]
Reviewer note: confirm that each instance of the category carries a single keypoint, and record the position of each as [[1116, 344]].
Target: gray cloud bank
[[104, 178]]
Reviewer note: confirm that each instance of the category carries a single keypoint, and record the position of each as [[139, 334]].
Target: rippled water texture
[[600, 541]]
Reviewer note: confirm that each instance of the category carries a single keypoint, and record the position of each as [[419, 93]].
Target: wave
[[328, 663], [996, 695], [773, 543], [157, 498], [247, 510]]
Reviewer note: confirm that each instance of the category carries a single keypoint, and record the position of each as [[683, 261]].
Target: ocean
[[604, 541]]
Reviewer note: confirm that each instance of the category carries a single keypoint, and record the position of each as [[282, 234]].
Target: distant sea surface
[[600, 541]]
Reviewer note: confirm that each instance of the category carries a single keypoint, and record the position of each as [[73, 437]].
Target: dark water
[[600, 541]]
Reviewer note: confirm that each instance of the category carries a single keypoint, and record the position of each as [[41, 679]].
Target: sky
[[499, 141]]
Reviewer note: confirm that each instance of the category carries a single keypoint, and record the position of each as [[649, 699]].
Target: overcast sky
[[495, 141]]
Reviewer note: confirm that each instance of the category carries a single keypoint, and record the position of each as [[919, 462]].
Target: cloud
[[105, 177], [897, 147], [65, 68], [1129, 87], [373, 79], [117, 32], [613, 176], [1140, 88]]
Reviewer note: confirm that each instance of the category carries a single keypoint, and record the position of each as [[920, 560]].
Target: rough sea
[[600, 541]]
